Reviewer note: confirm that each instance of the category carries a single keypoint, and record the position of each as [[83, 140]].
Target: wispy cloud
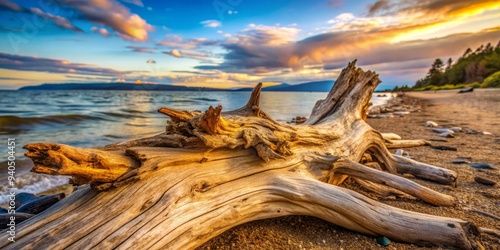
[[177, 42], [140, 49], [134, 2], [39, 64], [211, 23], [102, 31], [189, 54], [113, 15], [10, 6], [57, 20]]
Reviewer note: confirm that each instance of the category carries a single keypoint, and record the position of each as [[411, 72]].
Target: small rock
[[471, 131], [484, 181], [431, 124], [486, 133], [456, 129], [299, 119], [440, 140], [459, 161], [383, 241], [23, 198], [442, 130], [481, 165], [447, 134], [401, 113], [444, 148]]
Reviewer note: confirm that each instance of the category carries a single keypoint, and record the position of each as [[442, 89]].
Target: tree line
[[473, 67]]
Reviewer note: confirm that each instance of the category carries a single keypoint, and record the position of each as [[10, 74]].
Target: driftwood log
[[213, 170]]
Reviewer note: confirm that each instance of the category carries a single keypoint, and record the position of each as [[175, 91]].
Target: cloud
[[188, 54], [265, 50], [174, 53], [134, 2], [177, 42], [104, 32], [343, 17], [211, 23], [10, 6], [139, 49], [378, 6], [57, 20], [432, 8], [113, 15], [38, 64]]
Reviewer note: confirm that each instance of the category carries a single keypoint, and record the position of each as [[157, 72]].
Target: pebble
[[471, 132], [383, 241], [459, 161], [442, 130], [447, 134], [444, 148], [402, 153], [480, 165], [484, 181], [440, 140], [431, 124], [456, 129], [401, 113], [486, 133]]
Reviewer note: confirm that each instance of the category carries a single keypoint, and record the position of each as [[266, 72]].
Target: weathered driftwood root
[[213, 170]]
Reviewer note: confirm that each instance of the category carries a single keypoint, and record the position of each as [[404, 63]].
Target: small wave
[[132, 111], [35, 184], [120, 115], [204, 99], [183, 101], [15, 121]]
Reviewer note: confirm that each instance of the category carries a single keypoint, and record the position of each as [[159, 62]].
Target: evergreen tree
[[472, 66]]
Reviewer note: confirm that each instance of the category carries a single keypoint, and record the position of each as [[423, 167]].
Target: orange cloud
[[114, 15]]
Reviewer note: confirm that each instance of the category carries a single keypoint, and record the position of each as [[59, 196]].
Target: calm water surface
[[98, 118]]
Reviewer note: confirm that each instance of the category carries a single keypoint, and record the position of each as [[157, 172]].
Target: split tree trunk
[[214, 170]]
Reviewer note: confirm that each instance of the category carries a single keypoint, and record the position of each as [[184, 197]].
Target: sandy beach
[[478, 110]]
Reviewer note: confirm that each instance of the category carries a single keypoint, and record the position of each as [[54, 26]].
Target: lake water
[[98, 118]]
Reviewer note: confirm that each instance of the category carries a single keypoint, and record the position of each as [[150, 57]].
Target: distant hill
[[115, 86], [320, 86]]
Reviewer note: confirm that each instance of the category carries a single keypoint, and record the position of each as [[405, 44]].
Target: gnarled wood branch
[[213, 170]]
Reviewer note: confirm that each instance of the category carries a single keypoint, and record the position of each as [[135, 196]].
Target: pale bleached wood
[[354, 169], [213, 170], [392, 144]]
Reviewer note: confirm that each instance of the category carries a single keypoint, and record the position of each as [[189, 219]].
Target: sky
[[234, 43]]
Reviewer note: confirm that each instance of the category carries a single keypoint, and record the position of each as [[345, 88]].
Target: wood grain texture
[[213, 170]]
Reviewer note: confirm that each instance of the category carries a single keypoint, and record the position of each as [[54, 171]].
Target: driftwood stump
[[213, 170]]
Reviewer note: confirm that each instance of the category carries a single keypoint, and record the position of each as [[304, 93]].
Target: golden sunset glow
[[122, 45]]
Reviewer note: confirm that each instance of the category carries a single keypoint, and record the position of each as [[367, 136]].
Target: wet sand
[[478, 110]]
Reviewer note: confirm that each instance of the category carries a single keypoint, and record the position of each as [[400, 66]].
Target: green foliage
[[492, 81], [473, 67]]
